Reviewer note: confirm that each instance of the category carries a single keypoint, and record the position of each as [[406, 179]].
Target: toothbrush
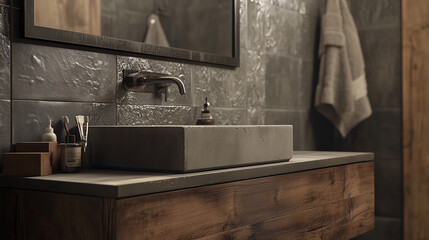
[[86, 121], [79, 122], [65, 122], [82, 124]]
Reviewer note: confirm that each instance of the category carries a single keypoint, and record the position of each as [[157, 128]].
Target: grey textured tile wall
[[289, 33], [255, 87], [5, 109], [307, 84], [228, 116], [388, 188], [154, 115], [180, 70], [47, 73], [283, 82], [306, 133], [31, 117], [310, 7], [302, 128], [381, 45], [381, 133], [369, 13], [224, 87], [256, 18], [4, 53], [243, 23], [282, 28], [385, 84], [256, 116], [4, 128], [255, 79], [385, 229]]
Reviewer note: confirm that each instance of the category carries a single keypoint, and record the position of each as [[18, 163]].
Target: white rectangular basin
[[188, 148]]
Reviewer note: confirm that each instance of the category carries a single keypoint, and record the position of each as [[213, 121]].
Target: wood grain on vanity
[[336, 203], [328, 203]]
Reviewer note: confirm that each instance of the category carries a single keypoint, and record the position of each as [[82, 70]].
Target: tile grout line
[[62, 101], [378, 27], [116, 88], [287, 56]]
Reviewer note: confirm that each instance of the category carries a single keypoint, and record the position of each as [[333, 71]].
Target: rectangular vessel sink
[[188, 148]]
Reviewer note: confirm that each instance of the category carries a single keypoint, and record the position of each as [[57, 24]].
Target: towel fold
[[341, 93]]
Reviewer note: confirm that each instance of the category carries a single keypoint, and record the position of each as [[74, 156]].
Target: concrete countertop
[[121, 184]]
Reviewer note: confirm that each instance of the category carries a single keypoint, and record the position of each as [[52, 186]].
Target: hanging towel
[[155, 33], [341, 93]]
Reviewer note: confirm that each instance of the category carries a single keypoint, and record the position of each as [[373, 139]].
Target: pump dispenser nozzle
[[206, 118]]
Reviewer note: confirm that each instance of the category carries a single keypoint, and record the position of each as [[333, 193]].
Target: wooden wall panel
[[415, 77]]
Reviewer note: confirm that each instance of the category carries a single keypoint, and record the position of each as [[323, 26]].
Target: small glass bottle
[[71, 155]]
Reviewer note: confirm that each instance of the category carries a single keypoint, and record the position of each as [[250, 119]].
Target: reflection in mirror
[[197, 25]]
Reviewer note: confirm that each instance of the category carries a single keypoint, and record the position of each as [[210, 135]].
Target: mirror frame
[[124, 46]]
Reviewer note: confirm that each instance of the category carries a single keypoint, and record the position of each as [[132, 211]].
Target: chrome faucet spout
[[167, 79], [150, 82]]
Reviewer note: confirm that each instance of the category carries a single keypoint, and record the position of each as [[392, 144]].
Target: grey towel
[[341, 93]]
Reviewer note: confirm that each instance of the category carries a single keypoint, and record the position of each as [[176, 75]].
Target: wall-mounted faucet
[[149, 82]]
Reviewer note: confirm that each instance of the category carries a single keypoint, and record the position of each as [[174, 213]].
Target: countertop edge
[[302, 161], [239, 174]]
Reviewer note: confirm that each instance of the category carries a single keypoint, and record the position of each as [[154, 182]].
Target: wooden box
[[51, 147], [26, 164]]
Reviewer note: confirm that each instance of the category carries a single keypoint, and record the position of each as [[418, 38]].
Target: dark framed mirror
[[204, 31]]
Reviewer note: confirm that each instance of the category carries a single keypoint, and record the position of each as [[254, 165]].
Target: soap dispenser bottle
[[49, 135], [206, 118]]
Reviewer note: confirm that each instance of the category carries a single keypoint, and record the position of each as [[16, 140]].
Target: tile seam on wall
[[387, 26], [116, 89], [43, 101], [311, 60], [11, 124], [59, 100], [286, 110], [314, 59]]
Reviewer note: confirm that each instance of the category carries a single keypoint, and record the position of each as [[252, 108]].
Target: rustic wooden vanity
[[316, 195]]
